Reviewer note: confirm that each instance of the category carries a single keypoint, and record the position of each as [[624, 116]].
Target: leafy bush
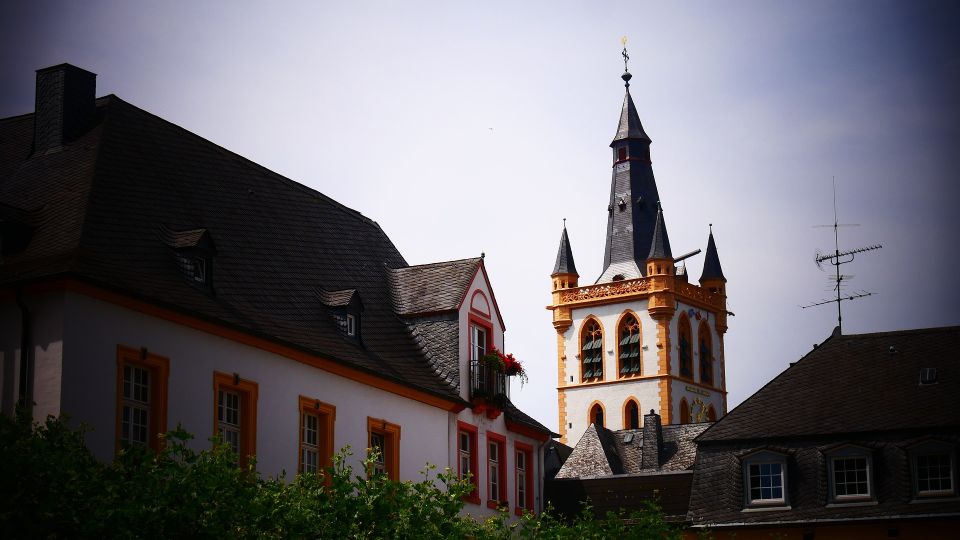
[[53, 487]]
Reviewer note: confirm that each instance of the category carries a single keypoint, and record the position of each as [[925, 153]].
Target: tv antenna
[[836, 259]]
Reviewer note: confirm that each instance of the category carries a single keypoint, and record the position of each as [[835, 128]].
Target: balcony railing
[[487, 381]]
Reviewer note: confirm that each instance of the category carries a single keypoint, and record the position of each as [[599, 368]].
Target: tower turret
[[712, 277], [660, 258], [564, 271]]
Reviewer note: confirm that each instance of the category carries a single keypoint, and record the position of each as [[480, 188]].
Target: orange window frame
[[327, 415], [391, 441], [471, 431], [159, 368], [529, 464], [684, 411], [501, 442], [685, 361], [248, 411]]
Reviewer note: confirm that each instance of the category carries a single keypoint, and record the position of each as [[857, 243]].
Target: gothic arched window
[[686, 346], [629, 345], [711, 414], [631, 415], [596, 415], [706, 354], [591, 351], [684, 411]]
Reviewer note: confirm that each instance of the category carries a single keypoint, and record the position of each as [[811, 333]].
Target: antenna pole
[[836, 263]]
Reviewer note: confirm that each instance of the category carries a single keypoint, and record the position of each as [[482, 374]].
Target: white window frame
[[521, 478], [310, 445], [493, 471], [230, 432], [849, 453], [478, 341], [136, 400], [380, 462], [759, 459], [464, 436], [933, 448], [351, 325]]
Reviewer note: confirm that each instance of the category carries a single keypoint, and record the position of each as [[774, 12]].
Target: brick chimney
[[65, 105], [652, 441]]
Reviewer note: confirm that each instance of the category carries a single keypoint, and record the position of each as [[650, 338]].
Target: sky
[[476, 127]]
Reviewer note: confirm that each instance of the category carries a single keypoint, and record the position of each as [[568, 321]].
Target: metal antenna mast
[[838, 258]]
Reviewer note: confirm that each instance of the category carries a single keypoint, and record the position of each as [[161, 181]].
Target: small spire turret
[[564, 270]]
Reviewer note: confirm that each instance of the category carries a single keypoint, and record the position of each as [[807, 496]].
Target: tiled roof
[[854, 383], [512, 413], [101, 200], [431, 288], [602, 452], [340, 298]]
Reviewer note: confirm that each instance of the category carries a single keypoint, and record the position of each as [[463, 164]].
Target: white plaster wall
[[612, 396], [93, 329], [9, 356], [479, 283]]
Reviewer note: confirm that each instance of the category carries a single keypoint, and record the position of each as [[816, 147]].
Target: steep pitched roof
[[102, 198], [431, 288], [660, 245], [602, 452], [854, 383], [629, 126], [564, 264], [711, 262]]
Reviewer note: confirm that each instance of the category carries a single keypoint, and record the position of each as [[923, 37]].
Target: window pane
[[766, 481]]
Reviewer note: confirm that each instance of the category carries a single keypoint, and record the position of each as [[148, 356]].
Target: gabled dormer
[[193, 253], [346, 308]]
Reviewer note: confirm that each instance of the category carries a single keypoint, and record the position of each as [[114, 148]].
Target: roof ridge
[[252, 164], [437, 263], [910, 331]]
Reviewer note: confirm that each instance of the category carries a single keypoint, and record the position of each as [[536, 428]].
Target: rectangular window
[[235, 414], [316, 435], [383, 438], [523, 467], [478, 342], [467, 458], [934, 474], [766, 482], [851, 477], [141, 398], [351, 325], [496, 470]]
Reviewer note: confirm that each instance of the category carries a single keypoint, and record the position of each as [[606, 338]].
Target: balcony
[[489, 388]]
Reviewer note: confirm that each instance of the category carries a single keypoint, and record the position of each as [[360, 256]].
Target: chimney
[[65, 105], [652, 441]]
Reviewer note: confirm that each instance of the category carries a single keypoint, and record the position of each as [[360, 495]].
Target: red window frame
[[248, 416], [527, 451], [326, 416], [471, 431], [501, 442], [159, 369]]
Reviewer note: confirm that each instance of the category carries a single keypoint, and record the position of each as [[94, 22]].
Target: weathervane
[[838, 258], [626, 58]]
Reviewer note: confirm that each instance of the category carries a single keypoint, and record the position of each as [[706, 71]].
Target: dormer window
[[351, 325], [193, 252], [199, 270], [765, 480], [850, 471]]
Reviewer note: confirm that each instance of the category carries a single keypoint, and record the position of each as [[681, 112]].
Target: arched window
[[686, 346], [629, 345], [711, 414], [631, 415], [684, 411], [591, 351], [596, 415], [706, 353]]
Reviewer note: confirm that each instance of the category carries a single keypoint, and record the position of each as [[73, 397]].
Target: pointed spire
[[711, 262], [629, 126], [565, 264], [660, 245]]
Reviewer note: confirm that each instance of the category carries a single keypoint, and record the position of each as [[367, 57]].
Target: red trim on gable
[[478, 292], [496, 307]]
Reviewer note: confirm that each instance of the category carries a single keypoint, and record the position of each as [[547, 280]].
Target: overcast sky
[[469, 127]]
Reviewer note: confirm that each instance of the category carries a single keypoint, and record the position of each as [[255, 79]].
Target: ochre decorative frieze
[[606, 290]]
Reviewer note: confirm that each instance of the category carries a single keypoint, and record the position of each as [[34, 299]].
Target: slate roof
[[859, 390], [564, 264], [854, 383], [711, 261], [341, 298], [512, 413], [602, 452], [431, 288], [660, 245], [99, 203], [629, 126]]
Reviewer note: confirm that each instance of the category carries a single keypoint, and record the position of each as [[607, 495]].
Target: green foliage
[[54, 488]]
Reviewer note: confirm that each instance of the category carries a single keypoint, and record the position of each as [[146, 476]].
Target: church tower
[[641, 338]]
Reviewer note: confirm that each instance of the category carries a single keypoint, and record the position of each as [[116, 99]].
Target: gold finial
[[626, 58]]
